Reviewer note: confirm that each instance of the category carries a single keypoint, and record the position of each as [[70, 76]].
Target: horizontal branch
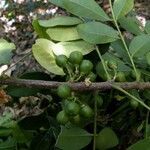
[[80, 86]]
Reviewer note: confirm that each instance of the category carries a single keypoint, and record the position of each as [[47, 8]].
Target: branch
[[80, 86]]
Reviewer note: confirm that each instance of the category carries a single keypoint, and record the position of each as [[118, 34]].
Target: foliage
[[87, 46]]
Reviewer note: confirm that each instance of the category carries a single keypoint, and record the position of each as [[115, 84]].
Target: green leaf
[[18, 92], [140, 45], [21, 136], [9, 144], [147, 27], [40, 31], [60, 21], [58, 3], [131, 24], [86, 8], [5, 51], [97, 33], [43, 53], [121, 66], [5, 132], [106, 139], [67, 47], [140, 145], [63, 33], [148, 58], [118, 47], [122, 7], [73, 138]]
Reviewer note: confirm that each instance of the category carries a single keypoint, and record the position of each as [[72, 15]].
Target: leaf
[[43, 53], [86, 8], [40, 31], [19, 91], [58, 3], [121, 66], [118, 47], [21, 136], [140, 145], [97, 33], [147, 27], [60, 21], [63, 33], [9, 144], [131, 24], [106, 139], [4, 132], [67, 47], [5, 51], [148, 58], [140, 45], [73, 138], [122, 7]]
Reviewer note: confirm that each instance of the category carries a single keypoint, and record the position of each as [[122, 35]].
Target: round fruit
[[72, 108], [61, 60], [112, 64], [86, 66], [76, 120], [134, 104], [76, 57], [86, 111], [120, 77], [92, 76], [62, 118], [64, 91]]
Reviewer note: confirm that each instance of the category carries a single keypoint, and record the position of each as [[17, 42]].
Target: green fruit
[[86, 66], [120, 77], [72, 108], [61, 60], [62, 118], [76, 57], [101, 73], [112, 64], [134, 104], [76, 120], [64, 91], [92, 76], [86, 111]]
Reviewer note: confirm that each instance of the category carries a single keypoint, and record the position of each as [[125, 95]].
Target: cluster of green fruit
[[76, 66], [73, 110]]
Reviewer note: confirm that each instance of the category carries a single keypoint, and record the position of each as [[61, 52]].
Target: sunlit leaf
[[40, 31], [43, 53], [60, 21], [67, 47], [63, 33]]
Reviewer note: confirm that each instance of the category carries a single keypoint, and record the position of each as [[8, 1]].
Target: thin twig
[[78, 86]]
